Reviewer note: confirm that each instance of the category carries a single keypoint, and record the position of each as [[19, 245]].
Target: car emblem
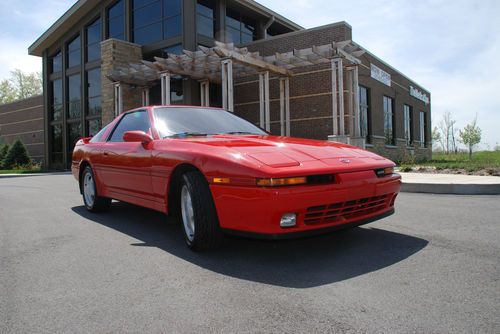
[[345, 160]]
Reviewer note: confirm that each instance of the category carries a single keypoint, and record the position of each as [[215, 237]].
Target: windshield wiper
[[187, 134], [239, 133]]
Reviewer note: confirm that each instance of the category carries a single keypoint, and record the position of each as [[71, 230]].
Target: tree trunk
[[470, 152]]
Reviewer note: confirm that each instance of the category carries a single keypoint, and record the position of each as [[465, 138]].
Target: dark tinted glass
[[206, 8], [56, 146], [56, 63], [149, 34], [178, 121], [233, 19], [117, 9], [172, 7], [135, 121], [56, 91], [205, 26], [172, 27], [233, 35], [146, 15], [94, 41], [94, 92], [74, 96], [74, 133], [74, 52], [246, 38]]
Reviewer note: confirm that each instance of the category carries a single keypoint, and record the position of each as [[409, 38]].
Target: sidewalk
[[450, 184]]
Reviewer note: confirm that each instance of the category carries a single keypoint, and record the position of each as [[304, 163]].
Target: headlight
[[288, 181], [384, 171]]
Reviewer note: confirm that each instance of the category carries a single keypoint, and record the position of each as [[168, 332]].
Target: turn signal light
[[289, 181], [384, 171], [224, 180]]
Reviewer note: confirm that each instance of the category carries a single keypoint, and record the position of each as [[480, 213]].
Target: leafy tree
[[436, 137], [3, 153], [20, 85], [16, 156], [471, 136], [446, 128]]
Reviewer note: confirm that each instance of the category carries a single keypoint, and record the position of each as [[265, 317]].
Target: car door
[[126, 166]]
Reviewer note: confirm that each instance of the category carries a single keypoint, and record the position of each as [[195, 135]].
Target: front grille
[[330, 213]]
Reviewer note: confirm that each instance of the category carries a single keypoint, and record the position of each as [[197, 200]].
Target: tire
[[92, 201], [197, 213]]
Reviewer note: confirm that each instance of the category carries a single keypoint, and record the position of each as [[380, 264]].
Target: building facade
[[89, 46]]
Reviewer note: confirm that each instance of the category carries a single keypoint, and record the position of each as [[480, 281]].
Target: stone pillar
[[115, 54]]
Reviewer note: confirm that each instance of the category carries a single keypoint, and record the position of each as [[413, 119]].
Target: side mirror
[[137, 137]]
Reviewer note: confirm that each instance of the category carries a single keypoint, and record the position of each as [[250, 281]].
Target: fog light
[[288, 220]]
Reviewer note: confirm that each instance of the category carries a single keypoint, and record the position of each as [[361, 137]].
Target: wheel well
[[83, 165], [173, 195]]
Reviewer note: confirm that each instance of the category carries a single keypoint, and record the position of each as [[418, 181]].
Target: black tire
[[99, 204], [207, 234]]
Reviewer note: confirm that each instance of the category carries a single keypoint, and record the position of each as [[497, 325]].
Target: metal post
[[334, 98], [118, 99], [268, 102], [282, 106], [350, 109], [357, 123], [341, 96], [205, 93], [145, 97], [224, 86], [287, 106], [261, 101], [165, 89], [227, 85]]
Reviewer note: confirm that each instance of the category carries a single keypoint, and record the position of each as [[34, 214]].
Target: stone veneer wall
[[115, 54]]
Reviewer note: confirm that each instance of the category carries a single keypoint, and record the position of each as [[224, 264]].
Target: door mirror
[[137, 137]]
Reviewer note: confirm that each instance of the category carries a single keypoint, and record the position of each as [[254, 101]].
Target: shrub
[[16, 156], [3, 153]]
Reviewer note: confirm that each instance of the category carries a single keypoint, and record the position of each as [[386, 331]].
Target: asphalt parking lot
[[433, 267]]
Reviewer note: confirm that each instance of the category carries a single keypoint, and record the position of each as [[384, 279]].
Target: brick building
[[93, 68]]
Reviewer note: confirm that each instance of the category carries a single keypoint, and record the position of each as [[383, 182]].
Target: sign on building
[[380, 75], [416, 93]]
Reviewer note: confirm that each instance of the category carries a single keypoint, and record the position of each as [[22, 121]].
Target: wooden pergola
[[224, 62]]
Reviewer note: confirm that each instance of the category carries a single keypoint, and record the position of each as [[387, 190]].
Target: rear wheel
[[92, 201], [198, 214]]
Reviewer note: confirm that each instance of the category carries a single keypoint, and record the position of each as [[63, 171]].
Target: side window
[[134, 121]]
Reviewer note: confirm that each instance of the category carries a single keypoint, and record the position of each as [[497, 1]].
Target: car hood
[[281, 152]]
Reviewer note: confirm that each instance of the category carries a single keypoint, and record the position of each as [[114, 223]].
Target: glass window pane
[[116, 28], [233, 36], [246, 38], [94, 52], [136, 121], [205, 26], [56, 63], [74, 44], [56, 97], [172, 27], [94, 82], [94, 127], [74, 58], [233, 19], [147, 15], [206, 8], [74, 134], [94, 32], [74, 96], [176, 49], [56, 146], [94, 105], [117, 10], [148, 35], [172, 7]]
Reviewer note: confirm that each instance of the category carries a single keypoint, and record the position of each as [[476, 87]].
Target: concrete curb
[[7, 176], [452, 189]]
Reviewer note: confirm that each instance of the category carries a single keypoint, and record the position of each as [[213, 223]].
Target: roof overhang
[[82, 7]]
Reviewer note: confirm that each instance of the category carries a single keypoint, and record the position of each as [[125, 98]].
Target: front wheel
[[198, 214], [92, 201]]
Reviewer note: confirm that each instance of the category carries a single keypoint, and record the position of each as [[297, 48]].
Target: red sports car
[[221, 174]]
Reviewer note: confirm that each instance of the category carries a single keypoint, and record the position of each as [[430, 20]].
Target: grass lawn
[[484, 161], [21, 171]]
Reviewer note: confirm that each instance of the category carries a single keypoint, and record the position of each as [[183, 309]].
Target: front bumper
[[357, 199]]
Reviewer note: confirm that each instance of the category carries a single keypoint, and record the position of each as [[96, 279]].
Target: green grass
[[480, 160], [21, 171]]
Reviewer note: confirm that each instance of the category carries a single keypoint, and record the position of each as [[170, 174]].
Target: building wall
[[311, 97], [24, 120]]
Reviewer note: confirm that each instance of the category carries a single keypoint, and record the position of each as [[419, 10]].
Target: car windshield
[[186, 122]]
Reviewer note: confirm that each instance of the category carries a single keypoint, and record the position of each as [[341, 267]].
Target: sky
[[451, 48]]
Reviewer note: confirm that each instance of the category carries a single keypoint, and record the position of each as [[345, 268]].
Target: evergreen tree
[[3, 153], [16, 156]]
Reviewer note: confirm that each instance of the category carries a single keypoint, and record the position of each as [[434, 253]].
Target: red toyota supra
[[220, 174]]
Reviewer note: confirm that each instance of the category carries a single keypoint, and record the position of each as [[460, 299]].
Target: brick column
[[115, 54]]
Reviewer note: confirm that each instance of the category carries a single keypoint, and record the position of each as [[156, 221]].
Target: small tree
[[471, 136], [16, 156], [3, 153], [436, 138]]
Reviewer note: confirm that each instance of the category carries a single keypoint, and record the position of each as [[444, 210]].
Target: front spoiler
[[308, 233]]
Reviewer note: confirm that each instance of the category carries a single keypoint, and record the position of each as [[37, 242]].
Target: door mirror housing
[[137, 137]]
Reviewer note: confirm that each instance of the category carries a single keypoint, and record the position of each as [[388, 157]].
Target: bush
[[16, 156], [3, 153]]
